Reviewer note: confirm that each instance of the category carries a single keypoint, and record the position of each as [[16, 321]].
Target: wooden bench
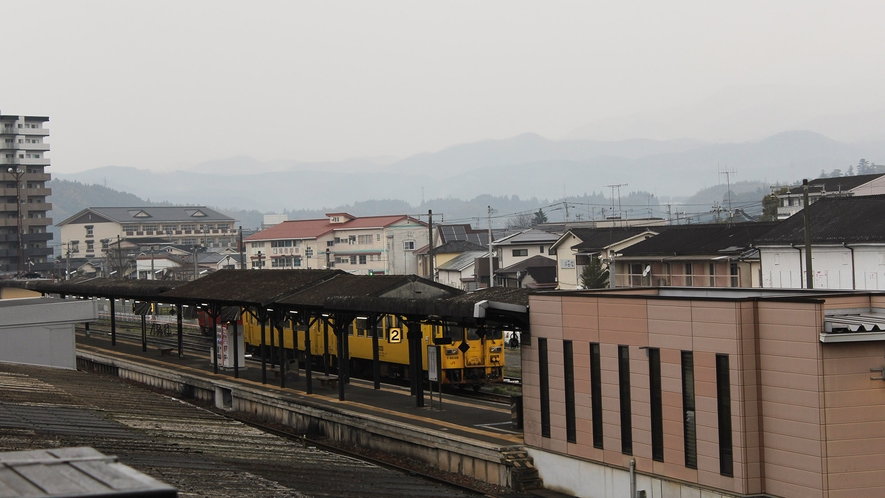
[[328, 381], [165, 350]]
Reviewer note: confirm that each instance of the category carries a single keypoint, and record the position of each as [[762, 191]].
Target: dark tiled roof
[[536, 261], [458, 246], [834, 220], [156, 214], [104, 287], [543, 276], [594, 239], [689, 240], [836, 184], [248, 287], [368, 286]]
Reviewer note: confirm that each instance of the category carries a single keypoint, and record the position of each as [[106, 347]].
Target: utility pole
[[809, 276], [491, 252], [430, 238], [728, 186]]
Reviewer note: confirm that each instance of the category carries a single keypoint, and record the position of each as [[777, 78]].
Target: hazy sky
[[165, 84]]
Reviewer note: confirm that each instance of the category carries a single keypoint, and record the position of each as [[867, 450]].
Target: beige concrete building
[[679, 392]]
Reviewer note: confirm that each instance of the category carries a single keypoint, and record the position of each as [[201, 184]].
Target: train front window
[[494, 334]]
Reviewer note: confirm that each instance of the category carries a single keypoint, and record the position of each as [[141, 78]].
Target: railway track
[[195, 344]]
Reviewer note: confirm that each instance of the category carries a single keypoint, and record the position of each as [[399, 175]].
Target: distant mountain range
[[526, 166]]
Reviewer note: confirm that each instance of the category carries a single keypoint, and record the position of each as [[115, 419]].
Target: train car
[[467, 360]]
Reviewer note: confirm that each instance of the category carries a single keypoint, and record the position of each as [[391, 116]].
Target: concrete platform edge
[[448, 452]]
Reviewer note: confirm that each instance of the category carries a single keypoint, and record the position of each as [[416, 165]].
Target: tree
[[850, 171], [521, 221], [539, 218], [770, 204], [863, 167], [823, 174], [594, 275]]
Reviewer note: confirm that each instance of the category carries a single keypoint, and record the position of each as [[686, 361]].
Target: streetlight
[[18, 173]]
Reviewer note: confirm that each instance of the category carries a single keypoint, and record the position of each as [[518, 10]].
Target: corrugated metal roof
[[80, 471]]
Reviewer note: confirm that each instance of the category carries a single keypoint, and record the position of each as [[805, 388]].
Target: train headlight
[[495, 349], [451, 351], [494, 359]]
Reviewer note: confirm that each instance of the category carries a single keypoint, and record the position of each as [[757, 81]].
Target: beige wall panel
[[854, 382], [546, 320], [776, 364], [871, 412], [539, 303], [857, 431], [782, 313], [846, 301], [857, 364], [714, 345], [869, 446], [789, 348], [791, 380], [677, 342], [785, 481]]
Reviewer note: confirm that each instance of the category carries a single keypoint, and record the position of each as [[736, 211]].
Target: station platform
[[463, 435], [470, 418]]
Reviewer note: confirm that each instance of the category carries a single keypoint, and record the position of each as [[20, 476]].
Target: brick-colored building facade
[[728, 391]]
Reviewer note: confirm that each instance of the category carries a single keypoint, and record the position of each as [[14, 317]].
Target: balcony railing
[[677, 280]]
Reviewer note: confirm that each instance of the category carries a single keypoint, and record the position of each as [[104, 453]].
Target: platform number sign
[[395, 335]]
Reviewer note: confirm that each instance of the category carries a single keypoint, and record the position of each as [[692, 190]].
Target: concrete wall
[[37, 331]]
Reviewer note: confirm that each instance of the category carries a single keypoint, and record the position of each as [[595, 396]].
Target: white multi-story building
[[24, 233], [365, 246], [791, 201], [847, 246]]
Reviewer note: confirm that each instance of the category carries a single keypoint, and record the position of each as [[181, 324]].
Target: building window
[[519, 252], [657, 405], [541, 249], [624, 397], [568, 364], [89, 230], [296, 262], [596, 394], [688, 413], [733, 270], [130, 228], [90, 247], [362, 259], [688, 280], [168, 228], [408, 245], [712, 274], [545, 387], [353, 259], [191, 228], [723, 405], [364, 239]]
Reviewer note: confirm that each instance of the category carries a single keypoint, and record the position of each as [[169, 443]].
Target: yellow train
[[467, 360]]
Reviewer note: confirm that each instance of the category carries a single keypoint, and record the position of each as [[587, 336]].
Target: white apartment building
[[364, 246]]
